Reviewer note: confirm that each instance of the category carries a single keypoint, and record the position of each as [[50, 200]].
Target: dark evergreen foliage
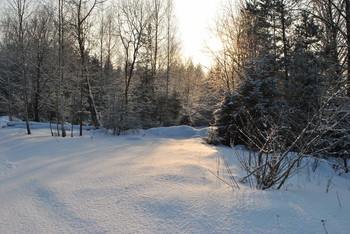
[[286, 88], [253, 107]]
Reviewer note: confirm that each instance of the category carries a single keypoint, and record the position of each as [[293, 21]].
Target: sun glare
[[195, 18], [214, 44]]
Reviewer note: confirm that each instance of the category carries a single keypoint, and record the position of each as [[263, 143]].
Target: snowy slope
[[155, 182]]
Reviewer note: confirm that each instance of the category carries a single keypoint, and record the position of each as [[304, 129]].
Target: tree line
[[116, 64]]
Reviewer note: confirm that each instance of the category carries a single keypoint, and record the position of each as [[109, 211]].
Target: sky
[[194, 18]]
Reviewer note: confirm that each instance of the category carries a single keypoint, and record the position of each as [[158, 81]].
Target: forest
[[279, 83], [112, 64]]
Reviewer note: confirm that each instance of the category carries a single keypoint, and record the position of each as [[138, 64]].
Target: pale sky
[[194, 18]]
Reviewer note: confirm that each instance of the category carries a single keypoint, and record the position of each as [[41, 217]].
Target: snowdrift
[[5, 122], [176, 132]]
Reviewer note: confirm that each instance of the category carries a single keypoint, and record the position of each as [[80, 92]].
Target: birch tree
[[82, 11]]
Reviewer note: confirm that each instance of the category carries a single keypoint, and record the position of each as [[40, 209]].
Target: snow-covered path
[[133, 184]]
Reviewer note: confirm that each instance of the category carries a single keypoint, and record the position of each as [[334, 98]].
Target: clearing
[[155, 181]]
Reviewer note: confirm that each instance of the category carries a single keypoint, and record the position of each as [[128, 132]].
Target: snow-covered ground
[[157, 181]]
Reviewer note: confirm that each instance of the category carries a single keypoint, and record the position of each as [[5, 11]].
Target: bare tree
[[133, 19], [347, 20], [157, 23], [83, 11], [173, 47], [237, 45], [8, 85], [40, 34], [335, 15], [61, 64], [21, 9]]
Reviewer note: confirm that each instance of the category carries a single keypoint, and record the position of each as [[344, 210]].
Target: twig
[[338, 199], [329, 184], [278, 220], [232, 186], [323, 221], [232, 178]]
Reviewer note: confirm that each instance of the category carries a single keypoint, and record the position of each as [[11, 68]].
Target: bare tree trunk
[[9, 102], [81, 34], [157, 6], [25, 93], [37, 88], [284, 40], [345, 160], [21, 6], [81, 109], [347, 19], [72, 117], [168, 54], [61, 64]]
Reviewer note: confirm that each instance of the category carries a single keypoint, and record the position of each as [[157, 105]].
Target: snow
[[176, 132], [156, 181], [3, 121]]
